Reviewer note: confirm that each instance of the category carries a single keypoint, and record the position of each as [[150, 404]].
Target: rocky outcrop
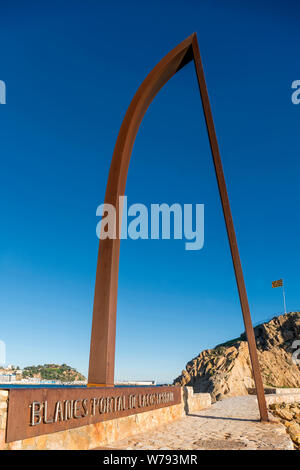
[[289, 415], [63, 373], [226, 369]]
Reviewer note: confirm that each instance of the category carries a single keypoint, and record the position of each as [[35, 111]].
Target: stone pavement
[[232, 423]]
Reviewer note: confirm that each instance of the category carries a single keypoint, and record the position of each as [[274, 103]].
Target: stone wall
[[106, 432], [279, 395], [276, 391], [195, 401], [3, 416], [285, 391], [283, 398]]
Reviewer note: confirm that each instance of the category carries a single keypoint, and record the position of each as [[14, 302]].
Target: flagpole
[[283, 293]]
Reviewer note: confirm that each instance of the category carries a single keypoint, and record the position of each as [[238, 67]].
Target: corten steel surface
[[102, 352], [20, 401]]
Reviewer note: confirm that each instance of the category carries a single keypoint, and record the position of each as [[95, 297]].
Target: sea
[[10, 386]]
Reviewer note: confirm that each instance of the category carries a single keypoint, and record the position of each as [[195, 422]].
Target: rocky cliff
[[226, 369]]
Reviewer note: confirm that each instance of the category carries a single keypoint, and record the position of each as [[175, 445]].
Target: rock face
[[226, 369], [289, 415]]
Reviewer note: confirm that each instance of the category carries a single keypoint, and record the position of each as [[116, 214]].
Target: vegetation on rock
[[62, 372]]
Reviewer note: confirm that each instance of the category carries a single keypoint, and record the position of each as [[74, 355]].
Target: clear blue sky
[[71, 69]]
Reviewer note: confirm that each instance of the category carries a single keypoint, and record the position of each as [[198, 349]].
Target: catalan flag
[[278, 283]]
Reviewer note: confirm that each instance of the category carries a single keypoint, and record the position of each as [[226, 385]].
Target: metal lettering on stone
[[33, 412]]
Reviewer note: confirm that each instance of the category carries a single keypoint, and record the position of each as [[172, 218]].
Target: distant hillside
[[63, 372], [226, 370]]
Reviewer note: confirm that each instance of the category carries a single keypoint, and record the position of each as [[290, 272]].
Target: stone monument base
[[96, 434]]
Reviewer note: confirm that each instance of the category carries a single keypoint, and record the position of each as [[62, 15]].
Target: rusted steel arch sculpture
[[102, 350]]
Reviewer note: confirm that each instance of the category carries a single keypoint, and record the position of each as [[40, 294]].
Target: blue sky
[[71, 69]]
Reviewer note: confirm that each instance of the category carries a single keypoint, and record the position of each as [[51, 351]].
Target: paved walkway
[[232, 423]]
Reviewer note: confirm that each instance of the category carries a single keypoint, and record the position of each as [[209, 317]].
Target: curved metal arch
[[102, 349], [155, 80]]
